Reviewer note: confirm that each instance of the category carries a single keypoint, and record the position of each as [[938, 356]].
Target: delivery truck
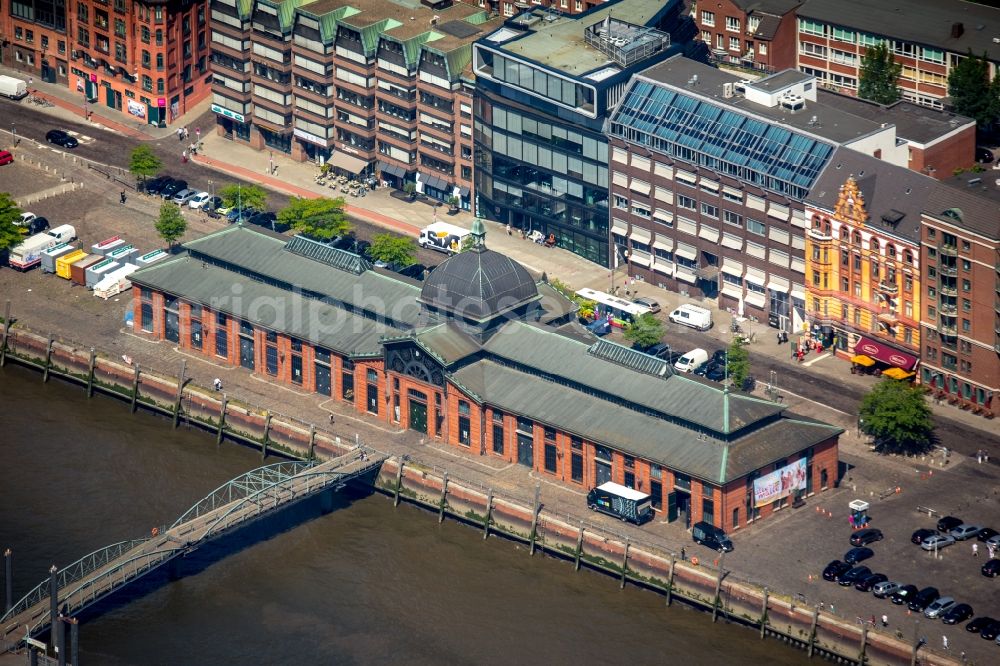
[[13, 88], [29, 253], [621, 502], [443, 237]]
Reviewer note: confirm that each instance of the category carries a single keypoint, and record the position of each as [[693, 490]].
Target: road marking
[[82, 138], [817, 359]]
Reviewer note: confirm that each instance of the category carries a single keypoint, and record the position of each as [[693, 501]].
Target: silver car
[[939, 607], [965, 531], [184, 196], [885, 588], [938, 541]]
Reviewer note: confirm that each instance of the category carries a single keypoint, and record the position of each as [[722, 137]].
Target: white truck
[[29, 253], [13, 88], [443, 237]]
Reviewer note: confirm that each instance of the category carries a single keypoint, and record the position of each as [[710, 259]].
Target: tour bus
[[622, 312]]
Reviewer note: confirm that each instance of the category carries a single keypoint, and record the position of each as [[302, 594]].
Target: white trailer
[[29, 253], [115, 282]]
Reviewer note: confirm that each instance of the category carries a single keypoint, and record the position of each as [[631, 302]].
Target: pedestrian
[[832, 609], [274, 172], [872, 622], [331, 418], [779, 337], [184, 156], [509, 231], [822, 605], [123, 197], [885, 620], [185, 132], [217, 384], [975, 550], [31, 80], [944, 641], [850, 519], [992, 551], [180, 133], [683, 554]]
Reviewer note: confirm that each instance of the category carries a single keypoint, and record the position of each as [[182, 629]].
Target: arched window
[[890, 251], [908, 257], [874, 243], [845, 234], [856, 238]]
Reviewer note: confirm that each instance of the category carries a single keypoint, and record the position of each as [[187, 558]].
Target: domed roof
[[478, 284]]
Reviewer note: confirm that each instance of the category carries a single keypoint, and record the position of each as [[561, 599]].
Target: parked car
[[923, 599], [937, 542], [868, 582], [958, 613], [965, 531], [994, 541], [691, 360], [5, 157], [984, 155], [979, 624], [854, 575], [37, 226], [268, 220], [707, 534], [991, 569], [921, 534], [155, 185], [991, 630], [986, 533], [866, 536], [692, 315], [903, 594], [173, 188], [240, 214], [61, 138], [715, 371], [719, 356], [183, 197], [835, 569], [212, 205], [939, 607], [659, 350], [199, 200], [648, 302], [885, 589], [856, 555], [948, 523]]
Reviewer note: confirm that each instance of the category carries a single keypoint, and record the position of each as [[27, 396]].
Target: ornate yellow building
[[862, 264]]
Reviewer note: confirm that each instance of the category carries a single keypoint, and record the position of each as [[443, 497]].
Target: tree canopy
[[879, 75], [971, 92], [247, 196], [171, 225], [10, 235], [738, 363], [144, 163], [645, 331], [321, 219], [896, 415], [393, 249]]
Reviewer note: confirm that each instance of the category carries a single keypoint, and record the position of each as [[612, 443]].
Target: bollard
[[267, 434], [32, 657], [812, 632], [90, 374], [135, 388], [399, 482], [60, 631], [534, 518], [74, 641], [670, 579], [489, 515], [221, 428], [180, 393], [625, 564], [442, 501], [579, 550], [48, 359], [8, 577], [718, 589], [312, 442], [763, 614]]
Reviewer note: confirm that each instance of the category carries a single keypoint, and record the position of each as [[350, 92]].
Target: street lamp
[[13, 134]]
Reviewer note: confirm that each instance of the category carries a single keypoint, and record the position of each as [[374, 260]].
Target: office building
[[754, 34]]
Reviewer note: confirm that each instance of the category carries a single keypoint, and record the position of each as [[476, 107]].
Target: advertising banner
[[780, 483], [137, 109]]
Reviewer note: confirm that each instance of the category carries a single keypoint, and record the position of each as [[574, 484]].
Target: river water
[[364, 584]]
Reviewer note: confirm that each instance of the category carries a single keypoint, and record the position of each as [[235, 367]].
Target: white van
[[691, 360], [63, 233], [693, 316]]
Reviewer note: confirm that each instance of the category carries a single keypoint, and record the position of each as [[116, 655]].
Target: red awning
[[886, 354]]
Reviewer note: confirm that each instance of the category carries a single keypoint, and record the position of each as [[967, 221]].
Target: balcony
[[890, 288], [820, 235], [948, 308], [950, 271], [947, 326], [948, 250], [888, 318], [948, 290]]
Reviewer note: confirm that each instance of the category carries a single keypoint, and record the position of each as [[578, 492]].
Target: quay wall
[[706, 585]]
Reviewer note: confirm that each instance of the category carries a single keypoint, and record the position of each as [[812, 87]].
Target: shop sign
[[137, 109], [312, 138], [780, 483], [223, 111]]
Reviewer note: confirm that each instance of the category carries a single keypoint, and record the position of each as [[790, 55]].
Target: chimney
[[956, 30]]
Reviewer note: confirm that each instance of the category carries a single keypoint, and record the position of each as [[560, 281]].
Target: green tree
[[171, 225], [738, 363], [645, 331], [247, 196], [144, 163], [896, 415], [393, 249], [321, 218], [9, 213], [971, 92], [879, 74], [467, 243]]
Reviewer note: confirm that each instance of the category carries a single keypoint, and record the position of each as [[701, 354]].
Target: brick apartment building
[[483, 358], [375, 87], [147, 59], [756, 34]]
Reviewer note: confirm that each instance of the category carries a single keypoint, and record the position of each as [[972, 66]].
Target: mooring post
[[221, 429], [444, 494], [312, 442], [399, 482], [32, 657], [489, 515], [6, 331], [61, 645], [90, 373], [670, 579], [135, 390], [8, 577], [579, 550], [48, 359], [625, 563], [54, 602], [916, 642], [812, 632], [180, 393], [718, 587], [267, 434], [763, 614], [864, 646], [74, 641], [534, 518]]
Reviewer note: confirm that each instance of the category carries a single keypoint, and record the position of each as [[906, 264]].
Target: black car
[[719, 357], [979, 624], [715, 371], [921, 534], [867, 583], [854, 575], [856, 555], [948, 523], [210, 205], [991, 630], [903, 594], [986, 533], [835, 569], [156, 185], [866, 536], [659, 350], [923, 599], [984, 155], [172, 188], [959, 613], [991, 569], [268, 220], [61, 138], [37, 225]]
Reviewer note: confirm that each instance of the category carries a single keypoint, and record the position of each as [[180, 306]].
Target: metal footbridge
[[234, 504]]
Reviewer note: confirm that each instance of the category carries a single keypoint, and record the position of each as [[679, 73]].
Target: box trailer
[[50, 255], [96, 272], [65, 263], [621, 502], [78, 271], [13, 88], [152, 257], [124, 255], [115, 282], [105, 247], [29, 253]]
